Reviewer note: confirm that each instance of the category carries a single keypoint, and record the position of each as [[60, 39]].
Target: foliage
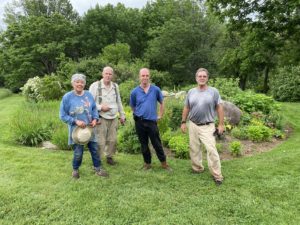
[[240, 132], [166, 137], [250, 102], [60, 137], [127, 139], [259, 133], [228, 87], [174, 108], [285, 84], [160, 79], [35, 122], [125, 90], [179, 47], [31, 90], [219, 147], [105, 25], [115, 53], [4, 93], [32, 48], [235, 148], [45, 89], [24, 8], [179, 144]]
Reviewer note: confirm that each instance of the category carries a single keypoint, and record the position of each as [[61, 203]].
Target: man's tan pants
[[204, 134], [107, 136]]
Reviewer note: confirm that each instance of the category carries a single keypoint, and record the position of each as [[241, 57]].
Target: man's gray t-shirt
[[202, 104]]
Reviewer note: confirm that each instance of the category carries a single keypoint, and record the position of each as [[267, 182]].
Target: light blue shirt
[[74, 107]]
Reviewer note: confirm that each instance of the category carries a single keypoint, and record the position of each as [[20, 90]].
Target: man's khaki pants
[[107, 136], [204, 134]]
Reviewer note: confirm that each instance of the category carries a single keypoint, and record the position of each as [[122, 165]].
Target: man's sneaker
[[75, 174], [146, 166], [110, 161], [102, 173]]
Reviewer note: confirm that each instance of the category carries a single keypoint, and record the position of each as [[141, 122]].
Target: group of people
[[100, 109]]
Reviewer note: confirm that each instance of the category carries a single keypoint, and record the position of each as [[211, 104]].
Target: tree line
[[248, 40]]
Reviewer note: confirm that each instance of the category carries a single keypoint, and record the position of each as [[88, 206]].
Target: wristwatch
[[183, 121]]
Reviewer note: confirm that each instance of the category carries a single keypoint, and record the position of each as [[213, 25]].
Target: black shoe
[[110, 161]]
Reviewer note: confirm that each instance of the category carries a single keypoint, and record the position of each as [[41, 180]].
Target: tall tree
[[25, 8], [102, 26], [32, 47], [273, 22]]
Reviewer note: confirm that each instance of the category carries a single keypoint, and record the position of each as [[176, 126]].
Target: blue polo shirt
[[145, 104]]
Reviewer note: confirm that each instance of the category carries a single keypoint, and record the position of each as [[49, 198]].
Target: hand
[[183, 127], [122, 121], [93, 123], [80, 123], [105, 107], [221, 129]]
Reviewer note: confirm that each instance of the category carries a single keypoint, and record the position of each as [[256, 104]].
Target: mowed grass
[[36, 186]]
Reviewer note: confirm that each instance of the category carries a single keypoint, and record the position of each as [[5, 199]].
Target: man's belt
[[201, 124], [139, 118]]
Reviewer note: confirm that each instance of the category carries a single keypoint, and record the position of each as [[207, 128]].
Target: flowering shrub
[[43, 89], [31, 89]]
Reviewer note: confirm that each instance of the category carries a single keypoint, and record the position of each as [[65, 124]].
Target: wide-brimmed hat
[[82, 136]]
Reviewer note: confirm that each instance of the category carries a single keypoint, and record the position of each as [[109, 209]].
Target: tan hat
[[82, 136]]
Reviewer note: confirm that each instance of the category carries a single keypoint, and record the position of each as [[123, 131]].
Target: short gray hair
[[78, 76], [200, 70]]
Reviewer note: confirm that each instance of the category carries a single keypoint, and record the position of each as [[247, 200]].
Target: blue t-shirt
[[145, 104], [74, 107]]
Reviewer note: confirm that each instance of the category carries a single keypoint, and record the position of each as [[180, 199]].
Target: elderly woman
[[78, 110]]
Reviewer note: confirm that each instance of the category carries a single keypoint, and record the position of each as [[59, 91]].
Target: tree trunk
[[266, 79]]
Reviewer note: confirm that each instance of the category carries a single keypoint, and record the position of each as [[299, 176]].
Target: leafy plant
[[259, 133], [128, 141], [235, 148], [60, 137], [240, 133], [285, 84], [180, 145]]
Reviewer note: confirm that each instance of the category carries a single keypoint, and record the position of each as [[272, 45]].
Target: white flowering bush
[[31, 90], [43, 89]]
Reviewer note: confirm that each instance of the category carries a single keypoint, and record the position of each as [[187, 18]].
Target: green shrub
[[250, 102], [125, 90], [239, 133], [179, 144], [127, 139], [228, 87], [60, 137], [31, 90], [51, 88], [166, 137], [43, 89], [235, 148], [174, 108], [285, 83], [259, 133]]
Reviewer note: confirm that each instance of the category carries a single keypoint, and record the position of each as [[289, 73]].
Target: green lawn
[[36, 186]]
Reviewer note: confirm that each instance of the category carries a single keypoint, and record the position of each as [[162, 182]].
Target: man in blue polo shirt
[[143, 101]]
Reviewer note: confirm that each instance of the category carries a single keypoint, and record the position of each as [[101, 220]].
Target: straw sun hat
[[82, 136]]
